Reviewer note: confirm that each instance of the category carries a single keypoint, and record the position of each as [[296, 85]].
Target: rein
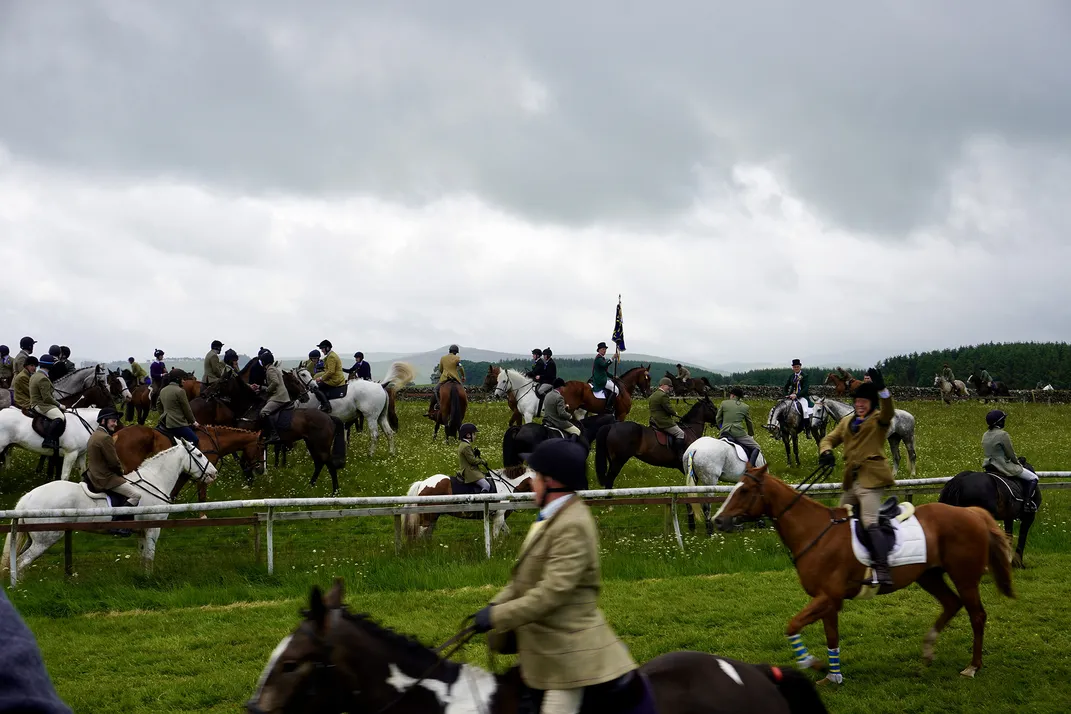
[[819, 474]]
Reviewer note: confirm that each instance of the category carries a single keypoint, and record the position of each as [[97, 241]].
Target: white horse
[[17, 429], [82, 379], [422, 525], [373, 399], [707, 461], [949, 389], [155, 477], [901, 429], [524, 391]]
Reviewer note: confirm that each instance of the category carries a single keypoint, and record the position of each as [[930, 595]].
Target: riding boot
[[678, 447], [1029, 490], [325, 403], [52, 440], [610, 399], [879, 555]]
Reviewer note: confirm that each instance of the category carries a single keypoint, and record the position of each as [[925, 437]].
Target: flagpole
[[617, 347]]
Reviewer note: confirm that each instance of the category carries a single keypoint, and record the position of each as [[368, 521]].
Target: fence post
[[68, 555], [271, 540], [676, 523], [14, 552], [487, 527], [910, 496]]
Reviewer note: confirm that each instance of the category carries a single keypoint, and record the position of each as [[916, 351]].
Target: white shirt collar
[[553, 507]]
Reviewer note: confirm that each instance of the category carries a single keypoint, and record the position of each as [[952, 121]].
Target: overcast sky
[[758, 180]]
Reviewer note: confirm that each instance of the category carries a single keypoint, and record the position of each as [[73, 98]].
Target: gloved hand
[[476, 452], [826, 458], [876, 377], [481, 621]]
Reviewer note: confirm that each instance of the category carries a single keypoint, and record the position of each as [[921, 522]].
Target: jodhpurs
[[271, 407], [129, 491], [562, 701], [865, 501], [54, 413], [1028, 475]]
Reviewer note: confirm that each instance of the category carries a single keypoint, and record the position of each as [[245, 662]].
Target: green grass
[[194, 635]]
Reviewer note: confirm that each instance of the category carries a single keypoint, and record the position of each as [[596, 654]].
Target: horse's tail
[[455, 409], [952, 491], [130, 409], [411, 521], [20, 540], [999, 553], [797, 689], [510, 457], [691, 480], [600, 452], [338, 447]]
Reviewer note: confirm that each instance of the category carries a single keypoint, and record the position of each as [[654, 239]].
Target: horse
[[140, 398], [617, 443], [841, 385], [85, 387], [189, 383], [155, 477], [524, 393], [708, 461], [785, 424], [699, 386], [375, 400], [580, 396], [959, 541], [17, 429], [996, 494], [134, 444], [453, 403], [949, 389], [422, 525], [901, 428], [490, 382], [337, 661], [232, 402], [985, 392], [523, 439]]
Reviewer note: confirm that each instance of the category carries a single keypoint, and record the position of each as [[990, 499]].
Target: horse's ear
[[334, 598], [317, 611]]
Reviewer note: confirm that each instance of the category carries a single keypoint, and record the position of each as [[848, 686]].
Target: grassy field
[[194, 635]]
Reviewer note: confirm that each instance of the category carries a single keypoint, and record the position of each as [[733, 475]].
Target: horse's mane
[[220, 427], [71, 375], [699, 404], [158, 454], [410, 645]]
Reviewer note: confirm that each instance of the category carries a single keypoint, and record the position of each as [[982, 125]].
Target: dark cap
[[217, 345], [559, 382], [564, 461]]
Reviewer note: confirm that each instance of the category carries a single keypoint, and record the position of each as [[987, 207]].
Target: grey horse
[[785, 424], [902, 428], [950, 389]]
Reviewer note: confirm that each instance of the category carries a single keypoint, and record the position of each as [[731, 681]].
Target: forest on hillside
[[1020, 365]]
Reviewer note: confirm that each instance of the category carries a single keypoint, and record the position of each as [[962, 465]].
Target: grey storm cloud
[[591, 112]]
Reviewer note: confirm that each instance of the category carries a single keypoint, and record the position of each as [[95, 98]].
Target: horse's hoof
[[827, 680], [1017, 561], [969, 672]]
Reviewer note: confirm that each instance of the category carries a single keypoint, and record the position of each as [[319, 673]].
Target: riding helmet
[[267, 358], [315, 354], [4, 350], [867, 390], [536, 352], [564, 461], [158, 354], [454, 349], [665, 382], [217, 345], [108, 413], [358, 355], [26, 343], [54, 350], [548, 353], [65, 351], [466, 430], [46, 361], [995, 419], [558, 382], [325, 345], [230, 355]]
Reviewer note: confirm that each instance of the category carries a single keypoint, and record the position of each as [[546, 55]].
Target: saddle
[[888, 513], [115, 500], [663, 437], [1014, 485], [282, 419], [334, 392], [748, 453], [41, 424], [460, 488], [167, 432]]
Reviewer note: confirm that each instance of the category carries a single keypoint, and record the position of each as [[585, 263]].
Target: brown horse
[[190, 384], [422, 525], [844, 385], [959, 541], [699, 386], [231, 403], [134, 444], [617, 443], [490, 382], [987, 392], [579, 395], [140, 399], [453, 403]]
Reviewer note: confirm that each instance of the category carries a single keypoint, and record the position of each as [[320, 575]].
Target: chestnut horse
[[843, 386], [959, 541], [579, 395], [490, 382], [699, 386], [453, 403], [190, 384], [134, 444]]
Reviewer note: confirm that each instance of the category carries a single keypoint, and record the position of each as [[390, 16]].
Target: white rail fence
[[267, 511]]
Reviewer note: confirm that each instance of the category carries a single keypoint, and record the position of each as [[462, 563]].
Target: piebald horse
[[962, 542], [422, 525], [580, 399]]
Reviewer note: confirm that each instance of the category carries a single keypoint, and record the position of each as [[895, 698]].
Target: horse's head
[[644, 381], [746, 502], [198, 466], [304, 377], [117, 386], [502, 384], [490, 380]]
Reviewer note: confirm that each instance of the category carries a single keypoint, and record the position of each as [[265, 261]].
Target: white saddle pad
[[601, 394], [910, 547], [740, 453]]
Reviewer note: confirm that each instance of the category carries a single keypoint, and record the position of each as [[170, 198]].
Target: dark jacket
[[363, 370], [550, 372], [24, 683]]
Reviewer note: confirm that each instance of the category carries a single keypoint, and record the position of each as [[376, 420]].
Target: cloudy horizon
[[757, 182]]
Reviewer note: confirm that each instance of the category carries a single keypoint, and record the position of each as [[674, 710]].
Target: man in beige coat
[[563, 640]]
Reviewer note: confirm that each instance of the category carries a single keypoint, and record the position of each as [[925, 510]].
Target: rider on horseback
[[987, 380], [25, 350], [43, 401], [564, 642], [230, 361], [663, 416], [537, 366], [20, 385], [138, 372], [7, 367], [313, 365], [450, 370], [275, 392], [470, 467], [866, 472], [1000, 458], [550, 368], [600, 376], [555, 413], [176, 417], [734, 422], [798, 390], [362, 369], [213, 367], [60, 368], [330, 381], [103, 469], [684, 375], [946, 372], [157, 370]]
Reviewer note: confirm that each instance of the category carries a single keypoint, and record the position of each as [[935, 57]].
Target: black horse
[[1001, 496], [523, 440]]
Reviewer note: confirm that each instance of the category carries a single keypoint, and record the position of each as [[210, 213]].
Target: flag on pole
[[619, 328]]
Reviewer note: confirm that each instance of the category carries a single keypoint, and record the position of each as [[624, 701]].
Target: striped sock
[[799, 649], [834, 664]]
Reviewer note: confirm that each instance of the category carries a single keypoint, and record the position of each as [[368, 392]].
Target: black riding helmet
[[315, 354], [31, 361], [358, 355], [108, 413], [454, 349], [564, 461], [65, 351], [548, 353], [466, 430], [537, 352], [158, 354], [230, 356], [995, 419], [26, 343], [558, 382], [4, 351], [867, 390], [266, 358], [325, 345], [55, 351]]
